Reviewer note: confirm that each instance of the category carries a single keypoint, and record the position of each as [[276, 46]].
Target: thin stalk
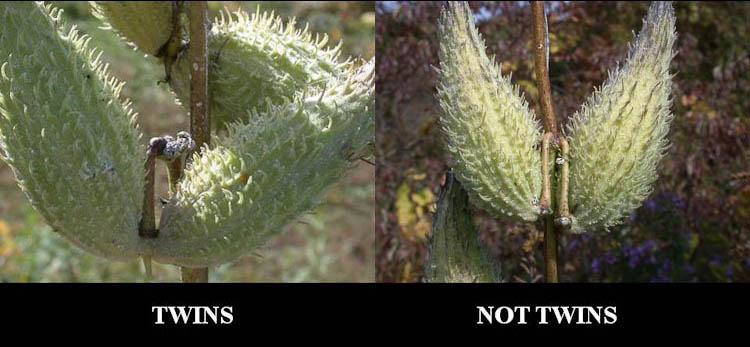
[[200, 128], [545, 205], [541, 67], [549, 121], [147, 225], [174, 169], [563, 214], [171, 49], [550, 250]]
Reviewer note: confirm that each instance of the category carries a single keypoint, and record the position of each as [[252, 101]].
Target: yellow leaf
[[410, 212], [423, 198], [404, 206], [418, 176]]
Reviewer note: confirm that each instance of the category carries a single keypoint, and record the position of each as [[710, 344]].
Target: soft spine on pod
[[456, 254], [490, 132], [254, 58], [147, 25], [619, 136], [72, 145], [265, 173]]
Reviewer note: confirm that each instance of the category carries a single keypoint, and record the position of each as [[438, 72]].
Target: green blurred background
[[334, 243]]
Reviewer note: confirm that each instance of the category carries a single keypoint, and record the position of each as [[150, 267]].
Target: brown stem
[[540, 66], [200, 128], [147, 225], [191, 275], [545, 205], [539, 29], [174, 168], [171, 49], [563, 214], [550, 250]]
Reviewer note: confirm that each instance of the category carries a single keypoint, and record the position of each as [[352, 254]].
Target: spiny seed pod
[[456, 255], [72, 145], [253, 58], [147, 25], [490, 132], [619, 136], [264, 174]]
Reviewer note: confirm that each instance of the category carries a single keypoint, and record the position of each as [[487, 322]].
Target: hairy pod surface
[[257, 57], [265, 173], [147, 25], [456, 254], [72, 145], [490, 132], [618, 137]]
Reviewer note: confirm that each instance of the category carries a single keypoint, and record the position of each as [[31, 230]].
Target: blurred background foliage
[[695, 226], [332, 243]]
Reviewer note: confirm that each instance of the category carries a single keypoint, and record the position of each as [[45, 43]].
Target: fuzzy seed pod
[[619, 136], [490, 132], [264, 174], [147, 25], [72, 145], [254, 58], [456, 255]]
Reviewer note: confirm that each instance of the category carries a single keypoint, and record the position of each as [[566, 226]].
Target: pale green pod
[[456, 254], [147, 25], [72, 145], [619, 136], [257, 57], [490, 132], [265, 173]]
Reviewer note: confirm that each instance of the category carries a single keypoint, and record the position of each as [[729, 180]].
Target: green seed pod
[[619, 136], [264, 174], [490, 132], [147, 25], [72, 145], [456, 255], [254, 58]]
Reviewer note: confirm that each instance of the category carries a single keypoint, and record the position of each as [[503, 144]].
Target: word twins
[[570, 315]]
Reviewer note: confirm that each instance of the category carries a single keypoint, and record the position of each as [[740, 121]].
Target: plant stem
[[545, 204], [200, 128], [169, 51], [194, 275], [562, 205], [147, 225], [549, 121], [539, 23], [550, 250], [174, 168]]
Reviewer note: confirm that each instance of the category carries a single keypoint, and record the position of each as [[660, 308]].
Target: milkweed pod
[[147, 25], [456, 254], [72, 145], [619, 136], [257, 57], [265, 173], [489, 130]]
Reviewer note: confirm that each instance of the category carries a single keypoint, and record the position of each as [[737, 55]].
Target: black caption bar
[[378, 309]]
